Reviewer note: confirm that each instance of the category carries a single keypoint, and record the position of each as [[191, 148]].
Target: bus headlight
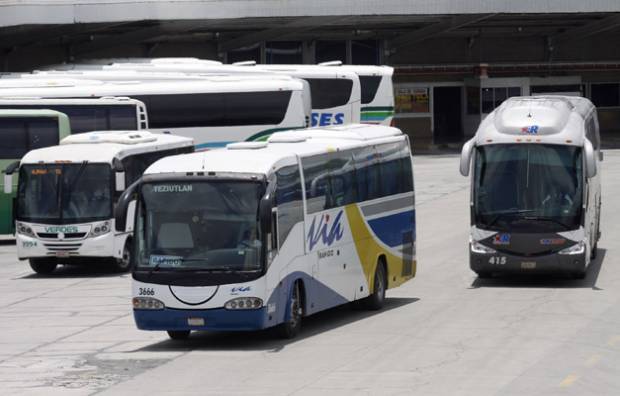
[[477, 247], [147, 303], [578, 248], [244, 303], [24, 229], [100, 229]]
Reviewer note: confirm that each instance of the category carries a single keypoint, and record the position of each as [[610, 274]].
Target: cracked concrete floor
[[444, 333]]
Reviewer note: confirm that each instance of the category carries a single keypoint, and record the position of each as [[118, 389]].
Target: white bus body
[[535, 187], [263, 233], [377, 91], [213, 111], [336, 92], [87, 115], [66, 195]]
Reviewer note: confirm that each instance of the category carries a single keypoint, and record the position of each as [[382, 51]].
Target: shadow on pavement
[[267, 340], [546, 281], [77, 271]]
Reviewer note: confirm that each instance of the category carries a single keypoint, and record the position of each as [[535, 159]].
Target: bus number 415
[[497, 260]]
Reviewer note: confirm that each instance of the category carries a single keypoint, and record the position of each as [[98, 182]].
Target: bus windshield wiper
[[155, 268], [510, 212], [547, 218]]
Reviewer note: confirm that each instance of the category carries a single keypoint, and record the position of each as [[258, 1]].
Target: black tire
[[43, 266], [483, 274], [580, 274], [292, 326], [123, 264], [178, 335], [375, 301]]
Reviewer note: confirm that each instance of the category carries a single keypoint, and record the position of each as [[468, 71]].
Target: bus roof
[[105, 146], [212, 84], [286, 146], [108, 100], [536, 119], [31, 113]]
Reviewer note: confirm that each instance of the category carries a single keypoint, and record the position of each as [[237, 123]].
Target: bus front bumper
[[547, 264], [219, 319], [102, 246]]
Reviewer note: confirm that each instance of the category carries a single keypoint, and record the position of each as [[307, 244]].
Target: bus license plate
[[528, 264], [196, 321], [62, 254]]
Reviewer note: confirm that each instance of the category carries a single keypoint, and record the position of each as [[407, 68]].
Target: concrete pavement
[[444, 333]]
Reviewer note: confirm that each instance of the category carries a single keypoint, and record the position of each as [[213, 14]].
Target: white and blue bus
[[262, 234]]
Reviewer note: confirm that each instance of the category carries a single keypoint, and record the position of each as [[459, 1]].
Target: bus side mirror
[[601, 157], [120, 212], [119, 174], [265, 209], [466, 152], [590, 159], [119, 180], [8, 184], [8, 177]]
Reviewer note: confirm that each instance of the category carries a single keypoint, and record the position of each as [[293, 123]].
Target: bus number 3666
[[146, 291]]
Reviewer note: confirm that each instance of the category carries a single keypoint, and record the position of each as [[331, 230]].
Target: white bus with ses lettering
[[66, 195], [262, 234], [535, 187], [214, 110], [336, 92]]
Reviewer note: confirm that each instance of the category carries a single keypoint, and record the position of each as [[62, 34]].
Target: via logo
[[530, 130], [324, 232], [240, 289]]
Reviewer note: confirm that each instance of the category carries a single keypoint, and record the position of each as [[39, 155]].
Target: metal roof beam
[[589, 29], [427, 32], [296, 26]]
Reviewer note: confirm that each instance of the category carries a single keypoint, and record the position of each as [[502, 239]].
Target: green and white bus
[[20, 132]]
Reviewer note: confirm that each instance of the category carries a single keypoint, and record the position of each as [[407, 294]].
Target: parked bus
[[377, 91], [213, 111], [85, 115], [20, 132], [262, 234], [535, 187], [336, 92], [66, 194]]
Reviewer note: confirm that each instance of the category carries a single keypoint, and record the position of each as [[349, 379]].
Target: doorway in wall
[[447, 115]]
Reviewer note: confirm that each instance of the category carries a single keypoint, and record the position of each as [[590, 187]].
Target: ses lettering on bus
[[167, 188], [324, 119]]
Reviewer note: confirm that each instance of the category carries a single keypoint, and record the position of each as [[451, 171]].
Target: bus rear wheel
[[291, 327], [43, 266], [178, 334], [375, 301]]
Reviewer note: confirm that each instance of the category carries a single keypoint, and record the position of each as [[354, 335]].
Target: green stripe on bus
[[264, 135], [384, 108]]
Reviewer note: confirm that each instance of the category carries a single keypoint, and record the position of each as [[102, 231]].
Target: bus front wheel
[[43, 266], [291, 327], [123, 264], [178, 334]]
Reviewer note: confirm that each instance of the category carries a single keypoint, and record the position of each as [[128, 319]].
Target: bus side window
[[342, 181], [317, 182], [367, 174], [288, 200], [391, 174]]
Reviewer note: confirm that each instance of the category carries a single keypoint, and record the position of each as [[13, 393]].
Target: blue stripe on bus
[[390, 229], [275, 310]]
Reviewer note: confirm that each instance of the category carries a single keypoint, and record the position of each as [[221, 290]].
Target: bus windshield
[[65, 193], [199, 226], [528, 187]]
